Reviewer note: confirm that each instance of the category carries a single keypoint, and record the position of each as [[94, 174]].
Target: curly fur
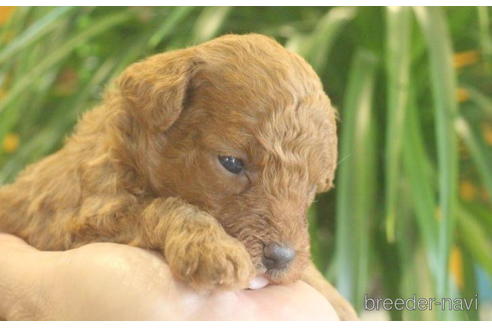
[[142, 168]]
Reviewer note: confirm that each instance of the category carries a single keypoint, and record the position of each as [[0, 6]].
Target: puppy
[[210, 155]]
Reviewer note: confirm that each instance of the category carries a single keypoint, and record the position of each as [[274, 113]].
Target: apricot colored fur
[[141, 168]]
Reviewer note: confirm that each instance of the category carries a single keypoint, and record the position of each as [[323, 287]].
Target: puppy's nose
[[277, 257]]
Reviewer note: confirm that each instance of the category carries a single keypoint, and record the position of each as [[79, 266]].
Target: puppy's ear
[[155, 90], [325, 185]]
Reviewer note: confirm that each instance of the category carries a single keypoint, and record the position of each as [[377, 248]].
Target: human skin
[[105, 281]]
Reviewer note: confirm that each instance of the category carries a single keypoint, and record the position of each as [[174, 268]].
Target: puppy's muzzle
[[277, 257]]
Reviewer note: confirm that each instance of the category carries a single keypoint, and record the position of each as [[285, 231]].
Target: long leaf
[[485, 25], [443, 80], [418, 171], [355, 185], [397, 71]]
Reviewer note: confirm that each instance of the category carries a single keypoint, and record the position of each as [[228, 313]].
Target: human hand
[[106, 281]]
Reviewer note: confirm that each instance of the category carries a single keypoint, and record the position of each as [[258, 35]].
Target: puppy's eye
[[232, 164]]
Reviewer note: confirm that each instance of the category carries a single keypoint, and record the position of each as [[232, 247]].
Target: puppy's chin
[[281, 277], [271, 277]]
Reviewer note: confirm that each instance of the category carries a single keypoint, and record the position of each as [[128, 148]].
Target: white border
[[249, 324], [246, 324], [246, 3]]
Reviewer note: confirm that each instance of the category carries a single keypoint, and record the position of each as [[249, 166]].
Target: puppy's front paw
[[211, 262]]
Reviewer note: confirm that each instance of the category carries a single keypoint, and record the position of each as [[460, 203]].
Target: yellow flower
[[11, 142], [485, 196], [465, 58], [456, 266], [487, 133], [467, 190], [5, 13], [462, 95], [2, 93]]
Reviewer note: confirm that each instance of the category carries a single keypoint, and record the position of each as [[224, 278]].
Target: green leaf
[[397, 71], [209, 22], [355, 200], [481, 100], [485, 26], [443, 82], [475, 240], [316, 46], [478, 151], [171, 23], [420, 176], [53, 59], [35, 32]]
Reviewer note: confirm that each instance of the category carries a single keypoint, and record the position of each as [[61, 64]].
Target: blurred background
[[411, 212]]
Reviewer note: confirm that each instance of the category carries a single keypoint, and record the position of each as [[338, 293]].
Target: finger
[[7, 240], [108, 281], [297, 301]]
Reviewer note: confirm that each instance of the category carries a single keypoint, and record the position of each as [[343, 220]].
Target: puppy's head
[[241, 128]]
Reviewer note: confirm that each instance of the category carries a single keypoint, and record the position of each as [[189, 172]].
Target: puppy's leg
[[195, 246], [343, 308]]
